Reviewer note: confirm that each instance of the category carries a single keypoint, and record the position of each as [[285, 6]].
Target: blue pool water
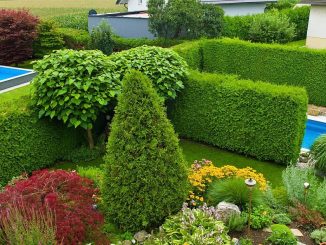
[[313, 130], [9, 72]]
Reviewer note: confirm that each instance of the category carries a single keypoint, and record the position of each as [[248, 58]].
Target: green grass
[[197, 151], [300, 43], [14, 94]]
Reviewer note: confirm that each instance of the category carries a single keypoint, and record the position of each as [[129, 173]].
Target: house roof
[[314, 2], [224, 1]]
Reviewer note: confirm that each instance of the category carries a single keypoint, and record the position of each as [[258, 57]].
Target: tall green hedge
[[279, 64], [29, 144], [254, 118]]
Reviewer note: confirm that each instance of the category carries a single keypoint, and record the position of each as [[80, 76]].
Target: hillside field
[[50, 8]]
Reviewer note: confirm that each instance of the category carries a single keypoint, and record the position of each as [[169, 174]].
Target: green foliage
[[233, 190], [298, 16], [245, 241], [145, 179], [281, 235], [121, 43], [93, 173], [186, 19], [192, 226], [76, 21], [236, 222], [241, 115], [101, 38], [237, 26], [319, 235], [85, 154], [164, 67], [282, 218], [272, 63], [271, 28], [74, 38], [29, 144], [48, 39], [293, 179], [261, 217], [318, 153], [74, 86]]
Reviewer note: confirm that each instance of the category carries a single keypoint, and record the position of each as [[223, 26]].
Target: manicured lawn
[[11, 95], [51, 8], [196, 151], [300, 43]]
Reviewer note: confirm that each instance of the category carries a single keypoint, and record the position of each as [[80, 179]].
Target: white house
[[316, 34], [230, 7]]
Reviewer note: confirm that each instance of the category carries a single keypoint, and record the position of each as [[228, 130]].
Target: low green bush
[[48, 39], [236, 222], [237, 26], [281, 235], [29, 144], [74, 38], [241, 115], [233, 190], [298, 16], [318, 152], [260, 217], [164, 67], [271, 28], [319, 236], [282, 218], [192, 226], [101, 38], [274, 63]]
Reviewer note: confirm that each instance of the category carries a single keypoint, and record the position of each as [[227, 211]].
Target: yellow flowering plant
[[204, 172]]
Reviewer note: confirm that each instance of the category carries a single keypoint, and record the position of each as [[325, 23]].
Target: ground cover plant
[[76, 94], [19, 36], [68, 196], [145, 178], [166, 69], [241, 115]]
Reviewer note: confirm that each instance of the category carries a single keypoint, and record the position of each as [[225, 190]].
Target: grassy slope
[[51, 8]]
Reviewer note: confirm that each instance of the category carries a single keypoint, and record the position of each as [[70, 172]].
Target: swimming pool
[[12, 77], [314, 128]]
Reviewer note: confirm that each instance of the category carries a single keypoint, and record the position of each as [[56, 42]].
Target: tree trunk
[[90, 138]]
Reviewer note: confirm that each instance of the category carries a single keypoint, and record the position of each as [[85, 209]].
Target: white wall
[[317, 22], [137, 5], [229, 9]]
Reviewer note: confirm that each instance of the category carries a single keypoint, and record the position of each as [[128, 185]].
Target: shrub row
[[74, 38], [239, 26], [27, 143], [242, 115], [272, 63]]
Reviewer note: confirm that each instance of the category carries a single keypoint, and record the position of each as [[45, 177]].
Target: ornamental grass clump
[[146, 178], [318, 152]]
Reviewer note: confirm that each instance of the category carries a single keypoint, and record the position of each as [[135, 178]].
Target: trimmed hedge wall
[[29, 144], [254, 118], [273, 63]]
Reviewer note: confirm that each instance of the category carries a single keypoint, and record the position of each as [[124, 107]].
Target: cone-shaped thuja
[[146, 178]]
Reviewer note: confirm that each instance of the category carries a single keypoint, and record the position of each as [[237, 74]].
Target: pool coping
[[16, 81]]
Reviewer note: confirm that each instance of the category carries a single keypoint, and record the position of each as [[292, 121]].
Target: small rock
[[267, 230], [300, 243], [296, 232], [225, 210], [235, 241], [141, 236]]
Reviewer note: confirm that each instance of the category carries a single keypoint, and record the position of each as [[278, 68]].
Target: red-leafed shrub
[[69, 197], [17, 33]]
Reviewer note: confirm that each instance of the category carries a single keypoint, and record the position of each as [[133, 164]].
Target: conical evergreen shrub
[[146, 177]]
